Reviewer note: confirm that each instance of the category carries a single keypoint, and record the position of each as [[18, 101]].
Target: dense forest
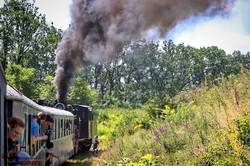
[[158, 103]]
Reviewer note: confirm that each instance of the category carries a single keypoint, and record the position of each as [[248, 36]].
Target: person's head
[[16, 127], [41, 117], [35, 117], [49, 145], [49, 120], [96, 137]]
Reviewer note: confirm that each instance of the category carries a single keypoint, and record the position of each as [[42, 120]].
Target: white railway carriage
[[3, 142], [22, 107]]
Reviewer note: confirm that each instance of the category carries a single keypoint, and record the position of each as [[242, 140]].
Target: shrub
[[243, 126], [146, 160]]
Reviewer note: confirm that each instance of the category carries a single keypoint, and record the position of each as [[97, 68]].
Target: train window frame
[[63, 125], [29, 134], [25, 109], [67, 125], [52, 127], [25, 135], [58, 128], [62, 129], [55, 129], [70, 126]]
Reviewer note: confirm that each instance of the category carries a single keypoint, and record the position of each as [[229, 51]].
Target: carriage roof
[[14, 94]]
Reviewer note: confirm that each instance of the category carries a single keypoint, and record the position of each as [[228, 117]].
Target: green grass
[[83, 158]]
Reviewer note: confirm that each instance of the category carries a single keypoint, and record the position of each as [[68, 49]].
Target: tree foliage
[[47, 90], [148, 70], [80, 93], [22, 79], [26, 38]]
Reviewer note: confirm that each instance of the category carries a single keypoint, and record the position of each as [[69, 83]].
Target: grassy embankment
[[207, 126]]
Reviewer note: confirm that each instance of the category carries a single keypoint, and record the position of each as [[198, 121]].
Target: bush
[[147, 160], [243, 126]]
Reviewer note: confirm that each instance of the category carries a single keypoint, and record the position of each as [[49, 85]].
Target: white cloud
[[228, 34]]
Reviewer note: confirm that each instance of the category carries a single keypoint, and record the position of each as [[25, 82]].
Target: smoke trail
[[100, 29]]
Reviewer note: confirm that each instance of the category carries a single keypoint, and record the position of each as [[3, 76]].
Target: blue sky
[[231, 33]]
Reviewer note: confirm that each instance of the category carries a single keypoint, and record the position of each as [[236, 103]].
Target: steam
[[100, 29]]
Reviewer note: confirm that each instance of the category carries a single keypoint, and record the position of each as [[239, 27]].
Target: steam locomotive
[[14, 103]]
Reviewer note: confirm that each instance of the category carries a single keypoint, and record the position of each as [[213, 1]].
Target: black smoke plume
[[100, 28]]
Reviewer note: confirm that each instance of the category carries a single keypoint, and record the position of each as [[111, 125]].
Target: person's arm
[[35, 132], [54, 154], [44, 137], [38, 138], [13, 150]]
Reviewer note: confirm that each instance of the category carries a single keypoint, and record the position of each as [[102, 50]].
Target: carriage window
[[70, 126], [64, 126], [67, 127], [29, 133], [54, 131], [58, 129], [24, 143], [61, 128], [61, 123]]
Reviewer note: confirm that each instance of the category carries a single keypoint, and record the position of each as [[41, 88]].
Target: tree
[[47, 90], [198, 67], [244, 60], [147, 71], [26, 38], [80, 93], [22, 79]]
